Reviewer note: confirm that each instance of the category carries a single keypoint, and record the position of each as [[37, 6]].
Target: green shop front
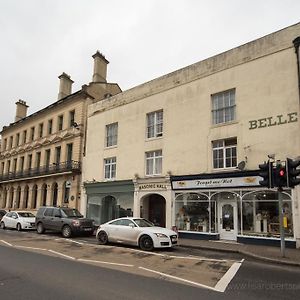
[[230, 206], [109, 200]]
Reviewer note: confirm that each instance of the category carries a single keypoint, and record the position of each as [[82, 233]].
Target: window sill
[[153, 139], [111, 147], [224, 124]]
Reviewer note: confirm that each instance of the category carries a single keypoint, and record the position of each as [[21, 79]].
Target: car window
[[143, 223], [26, 215], [117, 222], [126, 222], [71, 213], [48, 212], [9, 214], [14, 215], [56, 212]]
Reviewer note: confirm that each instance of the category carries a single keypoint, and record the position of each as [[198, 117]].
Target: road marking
[[199, 258], [69, 240], [180, 279], [33, 248], [225, 280], [104, 262], [8, 244], [64, 255]]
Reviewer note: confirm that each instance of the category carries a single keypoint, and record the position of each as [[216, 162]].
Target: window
[[21, 163], [38, 160], [111, 135], [47, 158], [41, 129], [50, 127], [8, 166], [11, 139], [29, 161], [31, 133], [4, 144], [15, 165], [154, 162], [17, 139], [69, 153], [2, 167], [223, 107], [57, 155], [71, 118], [155, 124], [60, 122], [224, 153], [24, 136], [110, 168]]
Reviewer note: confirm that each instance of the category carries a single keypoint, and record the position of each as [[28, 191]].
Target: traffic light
[[280, 176], [266, 172], [293, 172]]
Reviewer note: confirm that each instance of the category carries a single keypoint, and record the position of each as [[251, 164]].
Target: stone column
[[60, 194], [14, 202], [49, 194], [22, 197]]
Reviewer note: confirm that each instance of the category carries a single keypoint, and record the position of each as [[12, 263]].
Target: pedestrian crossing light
[[266, 170], [280, 176], [293, 172]]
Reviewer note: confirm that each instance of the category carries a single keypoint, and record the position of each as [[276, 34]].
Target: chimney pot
[[21, 110], [65, 85], [100, 67]]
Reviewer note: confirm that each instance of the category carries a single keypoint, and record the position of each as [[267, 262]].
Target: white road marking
[[64, 255], [8, 244], [33, 248], [69, 240], [225, 280], [104, 262], [180, 279]]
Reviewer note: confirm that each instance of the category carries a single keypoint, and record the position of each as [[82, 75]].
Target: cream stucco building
[[41, 154], [183, 150]]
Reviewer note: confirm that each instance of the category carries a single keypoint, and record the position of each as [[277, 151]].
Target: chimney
[[21, 110], [100, 67], [65, 85]]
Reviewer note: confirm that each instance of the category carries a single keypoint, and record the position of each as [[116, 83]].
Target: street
[[48, 266]]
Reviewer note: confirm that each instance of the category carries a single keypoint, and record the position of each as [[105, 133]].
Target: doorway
[[228, 220], [154, 209]]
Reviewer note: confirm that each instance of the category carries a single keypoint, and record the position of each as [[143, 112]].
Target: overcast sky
[[142, 39]]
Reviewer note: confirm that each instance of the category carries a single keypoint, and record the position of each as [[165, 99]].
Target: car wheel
[[2, 225], [102, 238], [146, 243], [40, 228], [19, 227], [66, 231]]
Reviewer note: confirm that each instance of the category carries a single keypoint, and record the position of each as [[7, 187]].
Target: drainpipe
[[296, 43]]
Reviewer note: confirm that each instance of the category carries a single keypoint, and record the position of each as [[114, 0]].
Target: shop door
[[157, 210], [228, 220]]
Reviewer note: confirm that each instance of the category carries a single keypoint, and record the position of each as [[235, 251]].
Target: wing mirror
[[131, 225]]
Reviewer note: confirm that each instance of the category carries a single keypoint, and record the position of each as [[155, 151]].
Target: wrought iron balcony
[[68, 166]]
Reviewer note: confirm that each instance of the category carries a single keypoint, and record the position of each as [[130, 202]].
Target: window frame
[[60, 122], [111, 164], [223, 150], [155, 129], [157, 155], [112, 139]]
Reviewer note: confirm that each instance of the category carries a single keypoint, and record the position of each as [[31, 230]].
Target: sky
[[142, 40]]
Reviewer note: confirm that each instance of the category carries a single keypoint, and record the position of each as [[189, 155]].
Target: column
[[22, 197], [60, 194]]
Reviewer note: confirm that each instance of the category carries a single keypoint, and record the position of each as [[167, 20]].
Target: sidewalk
[[266, 253]]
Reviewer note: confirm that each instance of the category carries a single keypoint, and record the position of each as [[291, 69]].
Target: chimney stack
[[100, 67], [65, 85], [21, 110]]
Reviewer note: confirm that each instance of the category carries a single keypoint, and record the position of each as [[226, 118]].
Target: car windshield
[[70, 213], [143, 223], [26, 215]]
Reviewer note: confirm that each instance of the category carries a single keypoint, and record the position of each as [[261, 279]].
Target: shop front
[[230, 206], [109, 200]]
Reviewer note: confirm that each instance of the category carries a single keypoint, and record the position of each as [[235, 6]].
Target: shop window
[[155, 124], [224, 153], [223, 107], [260, 214]]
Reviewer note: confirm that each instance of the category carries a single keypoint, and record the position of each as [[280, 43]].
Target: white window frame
[[155, 122], [111, 135], [223, 107], [153, 163], [222, 152], [110, 168]]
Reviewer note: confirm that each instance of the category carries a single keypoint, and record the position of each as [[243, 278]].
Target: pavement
[[266, 253]]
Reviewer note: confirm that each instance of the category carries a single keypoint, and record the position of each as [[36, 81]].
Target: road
[[30, 274]]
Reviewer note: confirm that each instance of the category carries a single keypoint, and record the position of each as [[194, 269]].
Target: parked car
[[2, 213], [19, 220], [136, 231], [68, 221]]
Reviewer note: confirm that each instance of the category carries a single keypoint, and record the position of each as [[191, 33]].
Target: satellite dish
[[241, 165]]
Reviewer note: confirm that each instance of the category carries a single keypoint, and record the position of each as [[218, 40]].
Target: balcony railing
[[68, 166]]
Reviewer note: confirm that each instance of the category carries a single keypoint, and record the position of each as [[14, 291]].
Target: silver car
[[136, 231]]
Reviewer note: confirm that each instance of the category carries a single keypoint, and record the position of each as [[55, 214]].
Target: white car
[[136, 231], [19, 220]]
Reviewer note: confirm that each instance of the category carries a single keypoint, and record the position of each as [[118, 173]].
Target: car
[[136, 231], [2, 213], [68, 221], [19, 220]]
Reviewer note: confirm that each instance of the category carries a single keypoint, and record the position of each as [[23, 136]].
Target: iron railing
[[67, 166]]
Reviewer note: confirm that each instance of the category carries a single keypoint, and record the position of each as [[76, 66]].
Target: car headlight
[[76, 223], [161, 235]]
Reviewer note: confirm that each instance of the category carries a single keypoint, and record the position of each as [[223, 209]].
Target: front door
[[228, 220]]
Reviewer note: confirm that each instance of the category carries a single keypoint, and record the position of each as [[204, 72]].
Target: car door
[[112, 230], [56, 220], [8, 219], [14, 220], [47, 218], [128, 232]]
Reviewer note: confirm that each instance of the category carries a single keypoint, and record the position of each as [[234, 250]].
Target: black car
[[2, 213], [68, 221]]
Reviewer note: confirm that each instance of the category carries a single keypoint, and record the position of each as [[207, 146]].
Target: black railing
[[68, 166]]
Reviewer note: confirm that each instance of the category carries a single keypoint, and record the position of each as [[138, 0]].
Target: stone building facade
[[183, 150], [41, 154]]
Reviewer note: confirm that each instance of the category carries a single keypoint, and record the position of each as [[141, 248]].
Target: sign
[[273, 121], [153, 186], [68, 184], [217, 183]]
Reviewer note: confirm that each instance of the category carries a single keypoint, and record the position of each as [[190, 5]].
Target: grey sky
[[142, 39]]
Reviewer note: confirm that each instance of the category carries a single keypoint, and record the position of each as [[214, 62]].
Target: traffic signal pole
[[282, 240]]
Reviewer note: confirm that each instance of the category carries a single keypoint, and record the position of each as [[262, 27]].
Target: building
[[41, 154], [183, 150]]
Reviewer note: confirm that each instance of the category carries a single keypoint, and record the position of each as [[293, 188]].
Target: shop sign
[[153, 186], [217, 183]]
